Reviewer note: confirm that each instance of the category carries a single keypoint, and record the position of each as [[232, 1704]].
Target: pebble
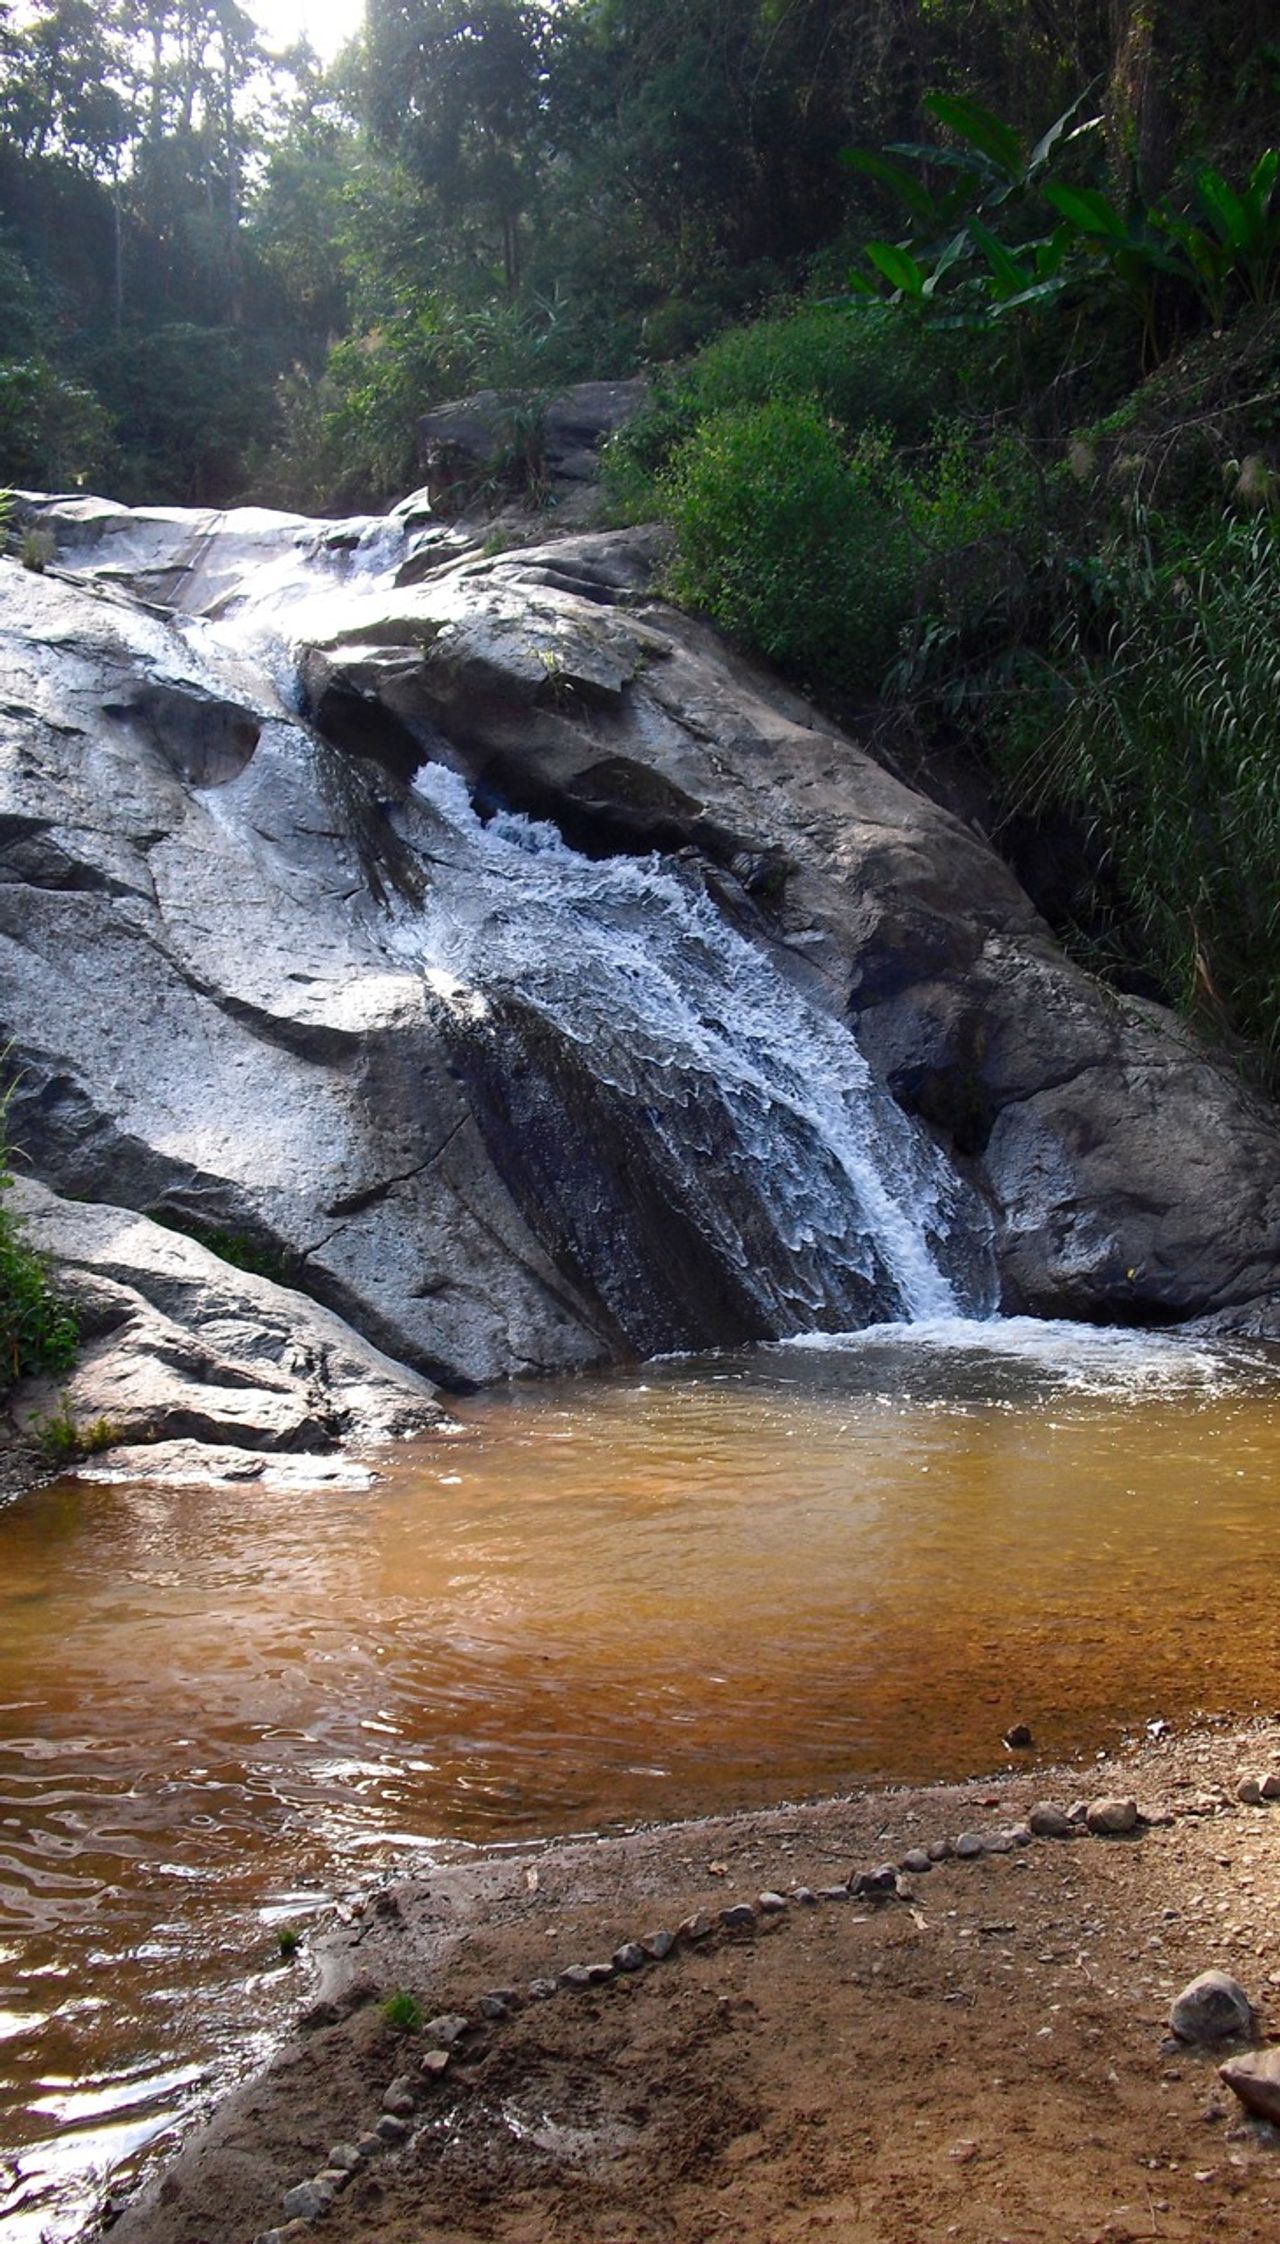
[[658, 1945], [442, 2032], [696, 1927], [771, 1904], [968, 1846], [306, 2201], [1271, 1788], [805, 1895], [875, 1885], [576, 1977], [1255, 2079], [1108, 1817], [1249, 1790], [630, 1956], [1213, 2007], [1021, 1834], [599, 1974], [401, 2097], [337, 2178], [345, 2158], [1050, 1822], [939, 1850], [738, 1917], [541, 1990], [1019, 1738], [391, 2129], [998, 1842], [370, 2145], [833, 1893], [437, 2061], [493, 2008], [917, 1860]]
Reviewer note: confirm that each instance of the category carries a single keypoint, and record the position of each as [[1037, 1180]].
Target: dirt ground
[[984, 2059]]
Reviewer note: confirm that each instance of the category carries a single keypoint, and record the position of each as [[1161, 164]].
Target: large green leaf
[[898, 266], [1011, 278], [982, 129], [1088, 210], [905, 185]]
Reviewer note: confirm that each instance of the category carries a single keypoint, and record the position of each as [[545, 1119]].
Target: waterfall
[[827, 1201]]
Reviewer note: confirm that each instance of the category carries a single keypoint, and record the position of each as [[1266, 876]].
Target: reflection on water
[[702, 1586]]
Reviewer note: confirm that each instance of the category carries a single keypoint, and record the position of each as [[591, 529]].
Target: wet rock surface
[[209, 912]]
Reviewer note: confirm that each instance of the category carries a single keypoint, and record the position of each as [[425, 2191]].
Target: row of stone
[[307, 2201]]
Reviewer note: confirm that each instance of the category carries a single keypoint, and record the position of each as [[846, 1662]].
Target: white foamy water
[[681, 1016]]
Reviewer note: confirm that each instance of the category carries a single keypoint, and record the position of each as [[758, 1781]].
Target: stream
[[707, 1584]]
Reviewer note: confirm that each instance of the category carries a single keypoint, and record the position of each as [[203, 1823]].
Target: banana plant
[[987, 165]]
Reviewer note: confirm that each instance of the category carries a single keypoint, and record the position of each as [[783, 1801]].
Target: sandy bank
[[983, 2057]]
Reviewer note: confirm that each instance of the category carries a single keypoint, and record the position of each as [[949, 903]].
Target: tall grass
[[37, 1331], [1163, 733]]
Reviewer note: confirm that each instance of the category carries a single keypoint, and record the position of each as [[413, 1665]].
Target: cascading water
[[700, 1147], [829, 1205]]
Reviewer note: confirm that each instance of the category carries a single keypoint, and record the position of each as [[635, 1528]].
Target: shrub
[[1159, 730], [867, 366], [801, 551], [402, 2012], [37, 1331]]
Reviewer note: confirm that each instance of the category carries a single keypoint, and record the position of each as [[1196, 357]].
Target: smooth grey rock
[[805, 1896], [939, 1850], [1048, 1821], [968, 1845], [577, 1978], [739, 1916], [306, 2201], [658, 1945], [1110, 1817], [1255, 2079], [997, 1842], [918, 1860], [493, 2007], [599, 1974], [444, 2031], [1271, 1787], [874, 1885], [370, 2146], [401, 2097], [833, 1893], [771, 1904], [631, 1956], [1212, 2007], [209, 1372], [174, 841], [391, 2128], [436, 2062], [696, 1927], [345, 2158], [1249, 1791]]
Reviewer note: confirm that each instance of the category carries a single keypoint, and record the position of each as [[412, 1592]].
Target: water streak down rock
[[492, 1083]]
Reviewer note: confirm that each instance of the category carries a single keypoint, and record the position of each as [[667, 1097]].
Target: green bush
[[794, 547], [1159, 732], [37, 1331], [54, 433]]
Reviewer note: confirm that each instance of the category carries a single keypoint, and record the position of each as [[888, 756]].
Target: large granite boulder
[[1133, 1175], [212, 972]]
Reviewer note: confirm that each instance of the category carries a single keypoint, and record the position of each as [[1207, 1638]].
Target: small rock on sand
[[1213, 2007], [1110, 1817], [1255, 2079]]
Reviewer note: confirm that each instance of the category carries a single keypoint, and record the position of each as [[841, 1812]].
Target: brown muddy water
[[703, 1586]]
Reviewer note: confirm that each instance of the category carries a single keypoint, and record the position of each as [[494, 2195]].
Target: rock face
[[206, 1370], [259, 979], [472, 443]]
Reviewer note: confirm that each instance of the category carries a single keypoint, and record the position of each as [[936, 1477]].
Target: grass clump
[[38, 1332], [1157, 729], [402, 2012], [62, 1439]]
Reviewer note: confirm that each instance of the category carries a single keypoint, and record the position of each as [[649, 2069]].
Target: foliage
[[38, 1332], [402, 2012], [1157, 728], [62, 1439], [54, 433]]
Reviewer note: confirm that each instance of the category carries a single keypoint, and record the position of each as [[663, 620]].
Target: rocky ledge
[[192, 1370], [217, 861]]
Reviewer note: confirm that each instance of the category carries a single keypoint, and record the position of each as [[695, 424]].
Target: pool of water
[[697, 1587]]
